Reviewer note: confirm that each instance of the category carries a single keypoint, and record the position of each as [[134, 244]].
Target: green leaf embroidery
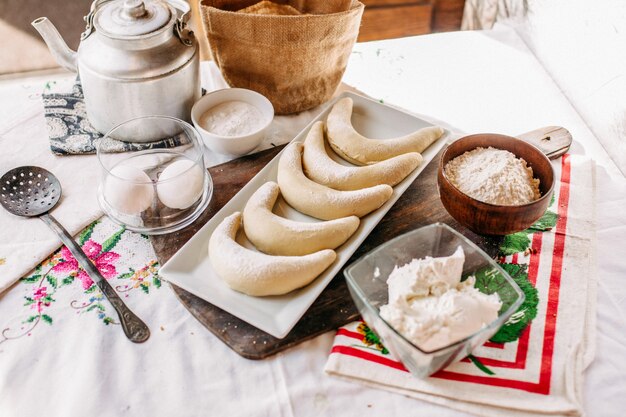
[[489, 281], [546, 222], [29, 301], [371, 339], [91, 289], [98, 306], [145, 287], [48, 85], [127, 275], [112, 241], [86, 234], [107, 320], [51, 280], [517, 242], [513, 328], [67, 280], [32, 278], [156, 280], [479, 365], [46, 318], [31, 319]]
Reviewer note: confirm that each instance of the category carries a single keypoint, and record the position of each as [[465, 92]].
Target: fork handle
[[135, 329]]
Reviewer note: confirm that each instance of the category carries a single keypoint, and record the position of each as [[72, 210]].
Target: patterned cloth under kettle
[[71, 133]]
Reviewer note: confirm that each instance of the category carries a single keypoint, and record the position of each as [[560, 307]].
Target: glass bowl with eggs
[[159, 189]]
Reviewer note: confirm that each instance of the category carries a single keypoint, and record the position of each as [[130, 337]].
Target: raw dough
[[319, 201], [181, 184], [258, 274], [280, 236], [322, 169], [359, 150]]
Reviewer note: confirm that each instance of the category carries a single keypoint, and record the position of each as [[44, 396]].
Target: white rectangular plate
[[191, 270]]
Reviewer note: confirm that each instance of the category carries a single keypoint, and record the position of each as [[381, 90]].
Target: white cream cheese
[[431, 307]]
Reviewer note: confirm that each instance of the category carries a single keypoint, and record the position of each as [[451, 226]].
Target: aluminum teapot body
[[136, 58]]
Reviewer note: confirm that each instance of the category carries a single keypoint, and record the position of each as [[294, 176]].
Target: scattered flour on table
[[493, 176], [232, 118]]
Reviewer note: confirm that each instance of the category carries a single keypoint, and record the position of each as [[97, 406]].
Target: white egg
[[129, 189], [181, 184]]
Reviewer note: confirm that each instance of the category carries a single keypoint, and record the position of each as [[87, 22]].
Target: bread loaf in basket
[[295, 60]]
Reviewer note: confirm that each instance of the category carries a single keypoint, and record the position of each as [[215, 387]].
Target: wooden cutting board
[[418, 206]]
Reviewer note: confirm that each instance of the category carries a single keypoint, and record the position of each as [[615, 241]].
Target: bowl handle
[[553, 141]]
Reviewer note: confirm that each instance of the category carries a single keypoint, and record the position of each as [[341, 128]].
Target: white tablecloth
[[477, 82]]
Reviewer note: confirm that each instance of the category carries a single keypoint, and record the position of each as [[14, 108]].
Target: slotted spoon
[[31, 191]]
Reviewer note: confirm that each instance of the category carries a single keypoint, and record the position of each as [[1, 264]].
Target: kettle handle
[[180, 28], [89, 18]]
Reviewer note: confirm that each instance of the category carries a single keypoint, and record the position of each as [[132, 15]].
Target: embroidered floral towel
[[58, 289], [523, 370]]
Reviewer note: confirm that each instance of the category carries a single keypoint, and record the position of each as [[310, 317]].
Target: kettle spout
[[59, 49]]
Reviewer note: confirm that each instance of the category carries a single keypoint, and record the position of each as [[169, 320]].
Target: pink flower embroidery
[[103, 261], [40, 293], [40, 296]]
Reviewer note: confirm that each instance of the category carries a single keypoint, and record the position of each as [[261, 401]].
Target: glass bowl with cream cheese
[[159, 187], [432, 296], [232, 121]]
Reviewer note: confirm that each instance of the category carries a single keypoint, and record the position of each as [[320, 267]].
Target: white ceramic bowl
[[232, 145]]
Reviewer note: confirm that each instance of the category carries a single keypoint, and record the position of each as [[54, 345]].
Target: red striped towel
[[540, 372]]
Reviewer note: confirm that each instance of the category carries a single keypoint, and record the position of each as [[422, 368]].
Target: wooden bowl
[[491, 219]]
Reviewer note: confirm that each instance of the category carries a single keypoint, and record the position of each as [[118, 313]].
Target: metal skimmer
[[31, 191]]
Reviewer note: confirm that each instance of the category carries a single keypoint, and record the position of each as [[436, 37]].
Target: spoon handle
[[135, 329]]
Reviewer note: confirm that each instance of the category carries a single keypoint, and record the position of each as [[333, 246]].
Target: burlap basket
[[295, 61]]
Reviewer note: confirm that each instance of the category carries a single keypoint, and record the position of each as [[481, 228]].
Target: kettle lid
[[122, 18]]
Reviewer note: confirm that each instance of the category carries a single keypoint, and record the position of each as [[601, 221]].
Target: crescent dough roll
[[319, 201], [258, 274], [322, 169], [359, 150], [279, 236]]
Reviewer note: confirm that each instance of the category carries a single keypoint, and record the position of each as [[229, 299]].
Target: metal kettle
[[136, 58]]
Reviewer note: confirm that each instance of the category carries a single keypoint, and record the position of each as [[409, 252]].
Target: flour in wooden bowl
[[493, 176]]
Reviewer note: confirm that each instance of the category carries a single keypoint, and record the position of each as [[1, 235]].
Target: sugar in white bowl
[[181, 184], [242, 118], [128, 189]]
